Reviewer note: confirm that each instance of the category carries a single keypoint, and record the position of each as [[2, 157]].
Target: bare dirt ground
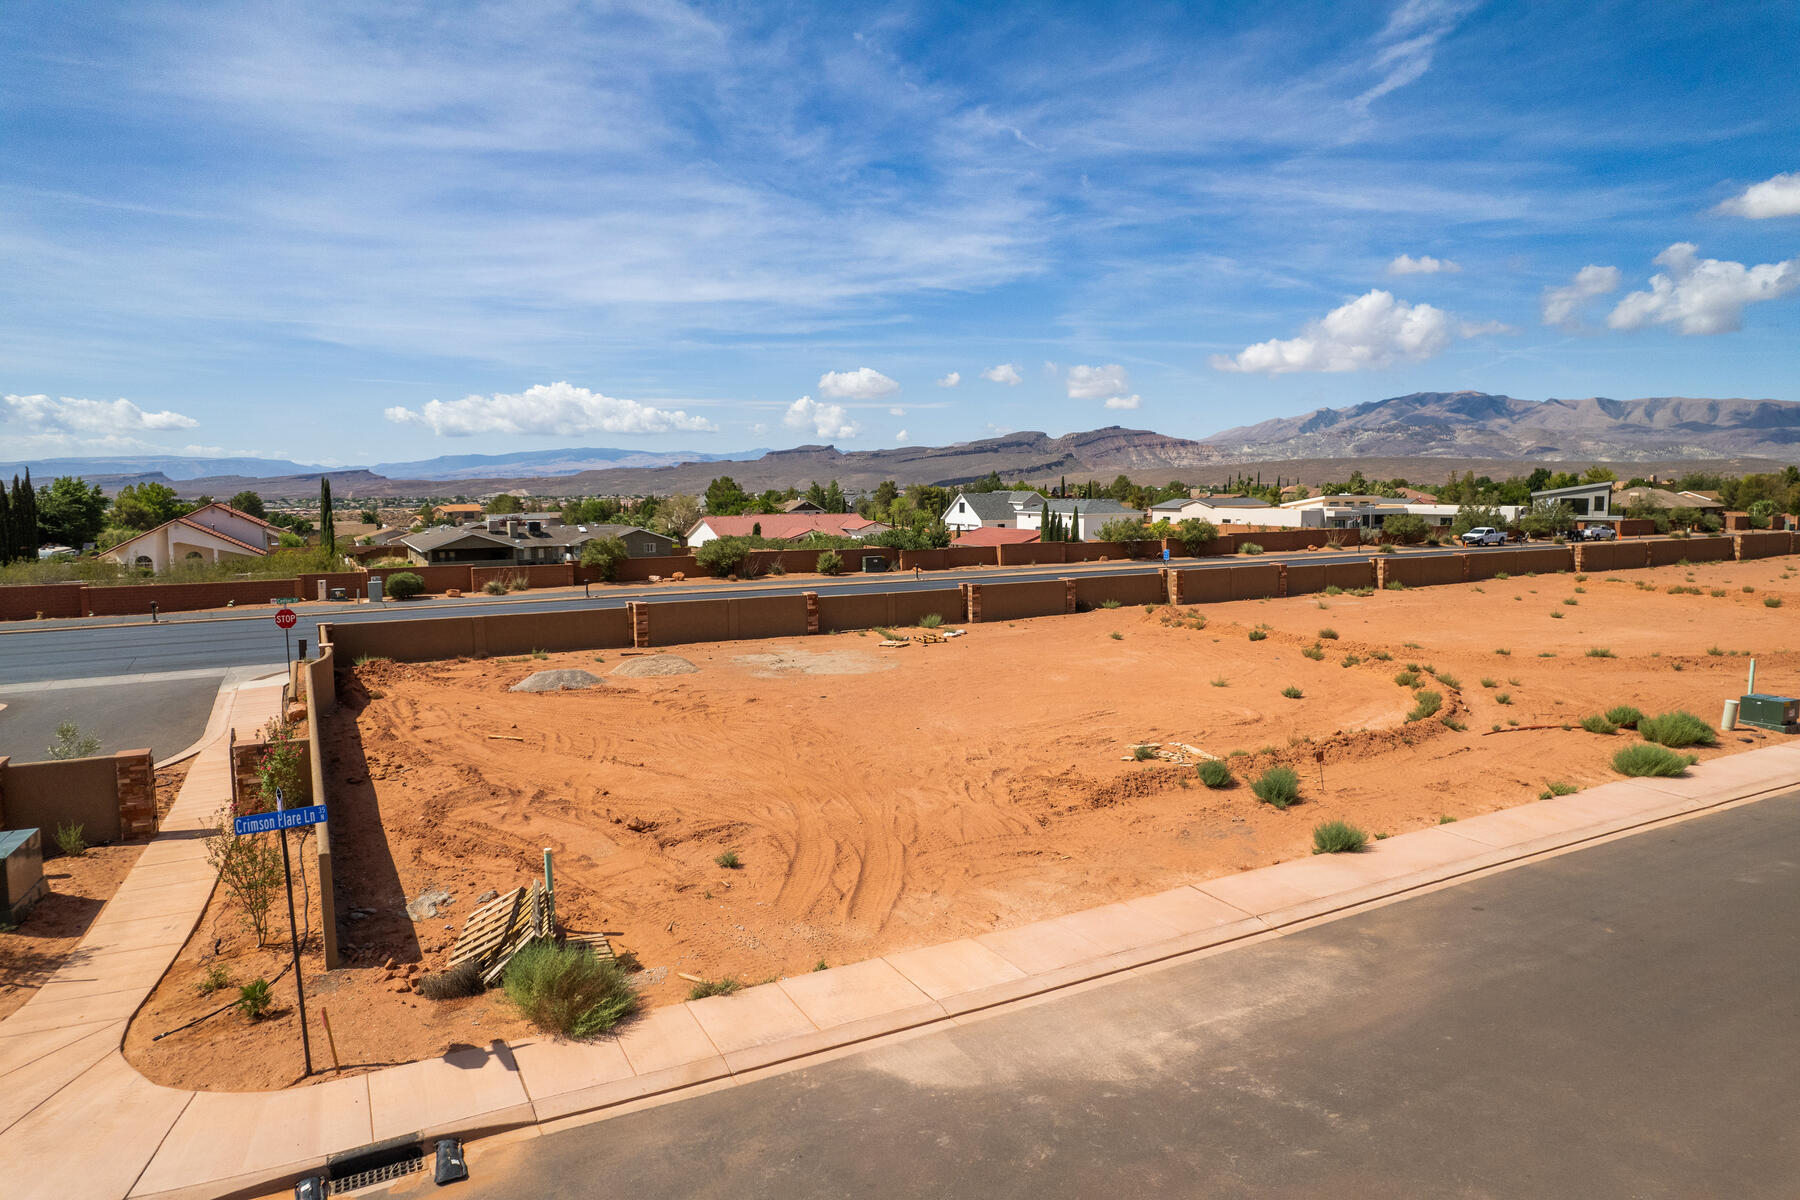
[[79, 889], [885, 799]]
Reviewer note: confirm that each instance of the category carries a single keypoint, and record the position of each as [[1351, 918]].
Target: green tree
[[725, 498], [815, 494], [1196, 535], [1476, 516], [327, 517], [1599, 474], [250, 502], [676, 514], [144, 506], [604, 553], [368, 516], [1124, 529], [1405, 528], [71, 742], [70, 511], [504, 504], [1543, 519]]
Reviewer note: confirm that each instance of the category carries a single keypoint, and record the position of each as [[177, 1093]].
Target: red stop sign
[[286, 618]]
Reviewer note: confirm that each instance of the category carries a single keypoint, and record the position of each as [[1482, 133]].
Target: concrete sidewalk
[[70, 1097]]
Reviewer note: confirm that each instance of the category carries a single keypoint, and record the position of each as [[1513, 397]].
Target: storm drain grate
[[374, 1175]]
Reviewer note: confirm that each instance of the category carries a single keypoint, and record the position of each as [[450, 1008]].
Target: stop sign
[[286, 618]]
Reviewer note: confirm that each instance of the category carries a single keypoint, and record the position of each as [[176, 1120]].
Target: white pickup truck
[[1484, 536]]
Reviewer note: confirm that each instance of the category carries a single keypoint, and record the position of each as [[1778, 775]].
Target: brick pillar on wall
[[972, 602], [1068, 595], [639, 614], [812, 611], [4, 759], [1171, 585], [1381, 572], [1465, 567], [1737, 549], [136, 778], [1281, 579], [1579, 558]]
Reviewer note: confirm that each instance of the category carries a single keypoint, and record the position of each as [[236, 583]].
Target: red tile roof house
[[209, 534], [997, 537], [783, 527]]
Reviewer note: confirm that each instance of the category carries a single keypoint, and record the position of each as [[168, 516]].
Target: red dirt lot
[[79, 889], [881, 799]]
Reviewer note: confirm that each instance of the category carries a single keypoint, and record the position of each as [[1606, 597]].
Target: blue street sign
[[292, 818]]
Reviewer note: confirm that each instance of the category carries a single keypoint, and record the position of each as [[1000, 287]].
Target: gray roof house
[[989, 510], [527, 543]]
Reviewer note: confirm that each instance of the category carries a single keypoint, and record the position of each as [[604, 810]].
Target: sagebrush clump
[[568, 990], [1278, 787], [1214, 773], [1338, 837]]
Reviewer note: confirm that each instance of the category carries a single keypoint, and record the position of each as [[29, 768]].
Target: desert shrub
[[403, 585], [713, 987], [1624, 716], [1142, 753], [1555, 788], [1556, 616], [1196, 535], [1338, 837], [1453, 723], [1277, 786], [1647, 759], [1598, 724], [250, 868], [254, 999], [69, 840], [568, 990], [729, 860], [1447, 679], [1677, 729], [1314, 652], [494, 587], [1381, 656], [1771, 601], [1214, 773], [1394, 585], [1116, 636], [1221, 682], [1487, 682], [363, 660], [216, 979], [1332, 589], [1407, 679], [1257, 635], [1570, 601], [71, 742], [931, 621], [1249, 548], [723, 556], [1109, 603], [1328, 634], [1292, 692], [1600, 652], [831, 563], [1350, 660], [464, 979], [1503, 698], [604, 554], [1405, 528], [1425, 704]]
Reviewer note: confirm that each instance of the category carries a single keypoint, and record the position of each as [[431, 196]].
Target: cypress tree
[[327, 519], [6, 528], [30, 537]]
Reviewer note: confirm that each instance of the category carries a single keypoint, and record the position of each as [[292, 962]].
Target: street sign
[[292, 818], [286, 618]]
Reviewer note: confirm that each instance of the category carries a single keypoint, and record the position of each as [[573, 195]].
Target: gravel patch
[[655, 667], [567, 679]]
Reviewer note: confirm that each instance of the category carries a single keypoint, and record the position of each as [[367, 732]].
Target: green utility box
[[1780, 713]]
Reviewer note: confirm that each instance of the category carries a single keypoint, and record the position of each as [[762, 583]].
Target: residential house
[[214, 533], [783, 527], [1590, 501], [989, 510], [525, 543], [1664, 498], [1221, 510], [1084, 516], [996, 537], [460, 513], [801, 505]]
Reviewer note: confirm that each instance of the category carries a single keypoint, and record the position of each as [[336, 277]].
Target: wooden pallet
[[928, 636], [593, 941], [501, 928]]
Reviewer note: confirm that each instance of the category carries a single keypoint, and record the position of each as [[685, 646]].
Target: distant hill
[[544, 462], [164, 466], [1479, 425]]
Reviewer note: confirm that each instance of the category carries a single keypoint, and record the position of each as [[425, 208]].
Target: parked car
[[1597, 533], [1484, 536]]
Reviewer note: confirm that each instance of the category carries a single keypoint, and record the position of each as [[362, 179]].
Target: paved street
[[89, 649], [1615, 1022], [166, 713]]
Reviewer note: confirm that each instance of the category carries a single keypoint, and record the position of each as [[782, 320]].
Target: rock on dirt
[[567, 679], [656, 666], [428, 903]]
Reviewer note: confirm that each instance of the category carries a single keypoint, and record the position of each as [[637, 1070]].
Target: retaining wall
[[186, 597], [678, 622], [1763, 545], [110, 796], [887, 609], [1093, 590], [1421, 572], [1543, 560], [321, 700], [1304, 579], [537, 575], [1012, 601], [420, 640], [25, 602], [1664, 551]]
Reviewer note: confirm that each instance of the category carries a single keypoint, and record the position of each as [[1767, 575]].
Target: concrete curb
[[225, 1144]]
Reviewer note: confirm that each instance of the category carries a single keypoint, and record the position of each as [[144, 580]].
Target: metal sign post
[[282, 820]]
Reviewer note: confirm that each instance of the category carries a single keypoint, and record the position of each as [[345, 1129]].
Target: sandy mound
[[803, 662], [656, 666], [556, 681]]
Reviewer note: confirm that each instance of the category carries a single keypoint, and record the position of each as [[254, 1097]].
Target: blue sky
[[348, 233]]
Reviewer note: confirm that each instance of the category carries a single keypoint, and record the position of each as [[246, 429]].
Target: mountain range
[[1423, 436]]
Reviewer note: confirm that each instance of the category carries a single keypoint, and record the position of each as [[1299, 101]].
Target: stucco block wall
[[1252, 581], [1011, 601], [110, 796], [1093, 590], [1664, 551], [1764, 544]]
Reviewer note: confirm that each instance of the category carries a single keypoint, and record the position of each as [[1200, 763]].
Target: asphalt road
[[90, 650], [166, 713], [1622, 1021]]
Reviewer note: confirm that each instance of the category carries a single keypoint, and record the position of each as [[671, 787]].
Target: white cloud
[[1775, 197], [1703, 295], [864, 383], [549, 408], [828, 421], [1004, 373], [896, 412], [1371, 331], [950, 380], [903, 436], [1407, 43], [1124, 402], [1091, 383], [1471, 329], [69, 415], [1406, 264], [1562, 305]]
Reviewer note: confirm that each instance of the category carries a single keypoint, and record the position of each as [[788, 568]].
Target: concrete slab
[[92, 1139], [32, 1083], [52, 1010], [553, 1067], [1737, 775], [1522, 824], [224, 1138], [856, 992], [1114, 927], [955, 967], [468, 1090], [666, 1038], [753, 1017], [1187, 910], [1255, 892], [1040, 946], [23, 1049], [139, 933], [1419, 850]]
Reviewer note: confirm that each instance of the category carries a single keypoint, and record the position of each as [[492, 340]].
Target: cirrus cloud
[[1778, 196], [1406, 264], [1091, 383], [864, 383], [1372, 331], [548, 408], [1562, 305], [1703, 295], [828, 421], [1004, 373], [1126, 403]]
